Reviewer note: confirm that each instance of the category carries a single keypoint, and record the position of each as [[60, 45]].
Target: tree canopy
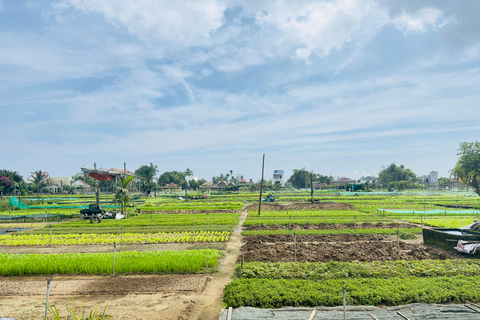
[[467, 169], [394, 173], [171, 176], [301, 178], [8, 181], [147, 173]]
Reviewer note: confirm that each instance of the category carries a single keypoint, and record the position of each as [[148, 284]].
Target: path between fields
[[213, 293]]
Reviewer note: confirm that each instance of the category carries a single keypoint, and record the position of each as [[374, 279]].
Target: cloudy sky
[[340, 87]]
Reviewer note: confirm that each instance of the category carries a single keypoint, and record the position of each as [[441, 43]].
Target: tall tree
[[122, 193], [147, 173], [394, 173], [300, 178], [40, 180], [171, 176], [467, 169], [9, 181]]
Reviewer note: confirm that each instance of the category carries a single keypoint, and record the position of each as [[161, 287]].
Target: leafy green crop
[[349, 270], [262, 293], [109, 238]]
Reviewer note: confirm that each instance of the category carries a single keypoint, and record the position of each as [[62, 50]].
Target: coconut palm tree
[[122, 193], [40, 180]]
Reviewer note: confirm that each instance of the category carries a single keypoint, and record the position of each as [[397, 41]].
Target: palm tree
[[122, 194], [40, 180]]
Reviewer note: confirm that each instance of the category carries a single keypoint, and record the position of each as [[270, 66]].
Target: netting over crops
[[15, 202], [437, 212], [31, 216], [414, 311]]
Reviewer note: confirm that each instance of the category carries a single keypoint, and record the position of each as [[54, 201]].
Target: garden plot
[[324, 248], [334, 226]]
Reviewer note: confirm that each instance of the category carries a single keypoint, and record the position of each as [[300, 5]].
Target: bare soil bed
[[324, 248], [335, 226], [302, 206], [128, 297]]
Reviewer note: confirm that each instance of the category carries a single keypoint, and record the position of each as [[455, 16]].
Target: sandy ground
[[169, 297]]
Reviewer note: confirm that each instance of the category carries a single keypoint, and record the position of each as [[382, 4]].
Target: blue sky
[[338, 87]]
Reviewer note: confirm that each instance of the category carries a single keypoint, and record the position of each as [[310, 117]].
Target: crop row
[[452, 222], [194, 205], [263, 293], [335, 231], [306, 213], [313, 220], [347, 270], [160, 220], [126, 238], [186, 261]]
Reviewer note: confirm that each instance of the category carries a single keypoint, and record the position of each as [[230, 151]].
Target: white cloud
[[421, 21], [320, 27], [184, 23]]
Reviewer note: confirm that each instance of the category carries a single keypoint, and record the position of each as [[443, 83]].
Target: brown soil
[[166, 297], [302, 206], [324, 248], [128, 297], [336, 226]]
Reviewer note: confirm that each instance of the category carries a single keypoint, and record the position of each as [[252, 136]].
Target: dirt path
[[213, 293], [133, 297]]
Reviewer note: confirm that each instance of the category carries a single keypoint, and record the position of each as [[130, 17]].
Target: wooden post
[[398, 244], [261, 187], [311, 187], [121, 235], [114, 253], [295, 245], [97, 187]]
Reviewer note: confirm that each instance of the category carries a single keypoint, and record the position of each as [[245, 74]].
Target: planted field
[[159, 220], [187, 261], [199, 205], [443, 222], [298, 231], [394, 291], [125, 238], [324, 248], [318, 271]]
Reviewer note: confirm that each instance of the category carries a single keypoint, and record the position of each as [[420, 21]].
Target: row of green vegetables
[[279, 284], [160, 220], [404, 233], [125, 238], [263, 293], [186, 261]]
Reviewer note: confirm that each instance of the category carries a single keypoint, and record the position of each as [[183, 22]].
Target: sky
[[340, 87]]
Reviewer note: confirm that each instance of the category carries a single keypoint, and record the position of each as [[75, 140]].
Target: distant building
[[278, 176], [368, 179], [221, 184], [80, 184], [431, 178], [342, 182], [60, 181]]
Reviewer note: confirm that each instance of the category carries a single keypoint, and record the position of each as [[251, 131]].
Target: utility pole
[[261, 187], [311, 187], [97, 188]]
